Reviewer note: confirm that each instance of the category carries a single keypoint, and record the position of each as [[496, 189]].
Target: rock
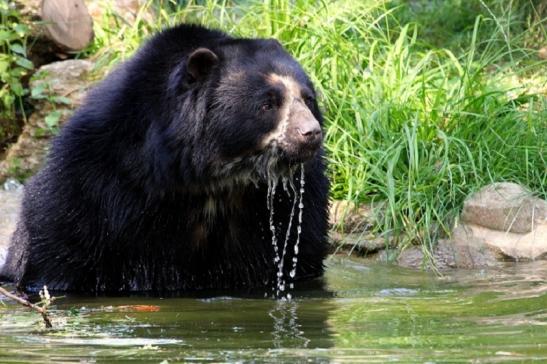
[[10, 202], [68, 23], [464, 253], [128, 10], [542, 53], [529, 246], [506, 207], [469, 251], [362, 243], [501, 221], [64, 85], [346, 216], [411, 257], [40, 48]]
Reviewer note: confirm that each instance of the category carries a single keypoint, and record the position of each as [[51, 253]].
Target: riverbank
[[424, 103]]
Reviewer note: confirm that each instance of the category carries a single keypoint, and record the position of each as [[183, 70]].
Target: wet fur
[[149, 188]]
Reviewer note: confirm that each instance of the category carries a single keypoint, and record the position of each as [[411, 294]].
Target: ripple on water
[[378, 314]]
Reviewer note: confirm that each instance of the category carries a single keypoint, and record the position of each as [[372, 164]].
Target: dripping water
[[279, 259], [280, 279], [272, 186], [299, 227]]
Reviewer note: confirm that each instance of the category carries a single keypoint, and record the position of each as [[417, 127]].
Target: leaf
[[8, 100], [52, 119], [6, 36], [4, 64], [37, 92], [18, 48], [16, 87], [21, 29], [18, 72], [23, 62], [62, 100]]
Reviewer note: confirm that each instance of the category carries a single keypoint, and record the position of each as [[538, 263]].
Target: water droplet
[[281, 250]]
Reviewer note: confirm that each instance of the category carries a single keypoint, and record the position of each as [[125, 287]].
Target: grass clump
[[425, 101]]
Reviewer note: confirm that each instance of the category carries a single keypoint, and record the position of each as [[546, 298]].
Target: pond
[[360, 311]]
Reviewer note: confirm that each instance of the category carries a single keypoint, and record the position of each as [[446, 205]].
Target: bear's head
[[257, 108]]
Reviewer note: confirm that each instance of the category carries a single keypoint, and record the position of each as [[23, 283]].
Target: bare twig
[[24, 302]]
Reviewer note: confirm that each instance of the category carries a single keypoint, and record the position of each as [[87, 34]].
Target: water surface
[[359, 312]]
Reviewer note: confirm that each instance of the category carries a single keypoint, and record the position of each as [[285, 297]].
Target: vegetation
[[425, 101], [14, 67]]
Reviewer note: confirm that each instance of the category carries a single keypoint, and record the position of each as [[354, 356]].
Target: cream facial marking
[[292, 95]]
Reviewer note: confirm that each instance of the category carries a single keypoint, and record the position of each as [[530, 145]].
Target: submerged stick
[[24, 302]]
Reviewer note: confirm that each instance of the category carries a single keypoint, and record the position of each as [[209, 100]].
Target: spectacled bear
[[166, 178]]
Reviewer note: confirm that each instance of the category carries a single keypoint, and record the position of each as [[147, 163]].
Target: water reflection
[[368, 312], [480, 316], [286, 328]]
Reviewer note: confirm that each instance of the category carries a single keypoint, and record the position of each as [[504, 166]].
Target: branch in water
[[24, 302]]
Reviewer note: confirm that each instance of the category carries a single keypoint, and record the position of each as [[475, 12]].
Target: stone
[[506, 207], [347, 217], [465, 253], [10, 202], [362, 243], [64, 85], [528, 246], [128, 10], [507, 219], [469, 251], [68, 23]]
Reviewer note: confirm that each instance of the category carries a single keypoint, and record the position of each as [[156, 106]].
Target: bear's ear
[[200, 63]]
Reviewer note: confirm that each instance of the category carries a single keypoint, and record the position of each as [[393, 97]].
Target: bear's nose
[[310, 132]]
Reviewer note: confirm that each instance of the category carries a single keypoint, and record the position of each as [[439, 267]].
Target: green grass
[[425, 101]]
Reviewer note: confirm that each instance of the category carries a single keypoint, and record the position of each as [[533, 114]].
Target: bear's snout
[[304, 131], [309, 133]]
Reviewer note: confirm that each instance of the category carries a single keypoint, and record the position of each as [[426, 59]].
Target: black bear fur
[[121, 203]]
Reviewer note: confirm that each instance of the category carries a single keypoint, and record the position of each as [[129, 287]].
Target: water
[[359, 312], [279, 260]]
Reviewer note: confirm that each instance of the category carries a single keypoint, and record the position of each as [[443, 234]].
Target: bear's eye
[[267, 106], [270, 101], [309, 100]]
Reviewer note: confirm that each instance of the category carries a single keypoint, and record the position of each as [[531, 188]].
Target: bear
[[197, 164]]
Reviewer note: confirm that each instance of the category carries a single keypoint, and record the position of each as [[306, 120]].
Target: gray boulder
[[505, 218], [506, 207], [502, 221], [10, 202]]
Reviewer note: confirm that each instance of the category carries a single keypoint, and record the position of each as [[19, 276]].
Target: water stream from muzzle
[[279, 260], [299, 227], [272, 186]]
